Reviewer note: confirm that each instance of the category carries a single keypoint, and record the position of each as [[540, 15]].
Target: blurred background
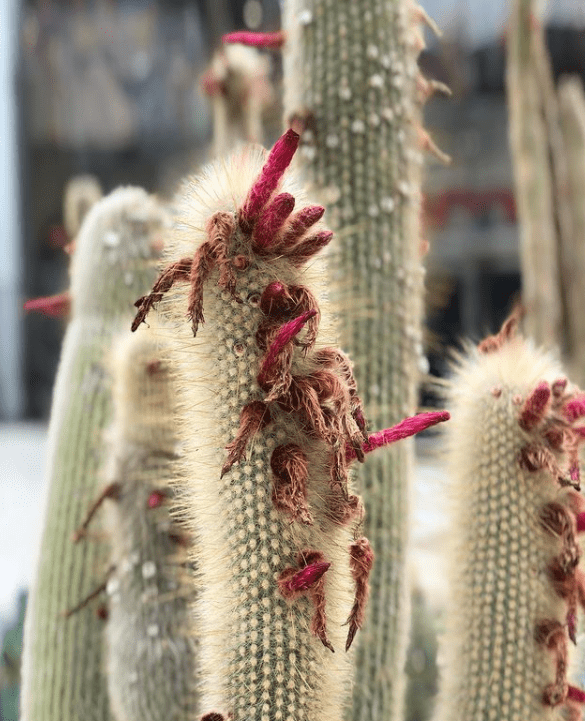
[[113, 89]]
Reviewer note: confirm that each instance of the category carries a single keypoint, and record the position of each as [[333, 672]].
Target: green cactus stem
[[515, 582], [150, 651], [63, 676], [271, 424], [352, 84], [533, 177], [571, 102]]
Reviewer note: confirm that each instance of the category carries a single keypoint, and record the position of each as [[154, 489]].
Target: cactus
[[515, 585], [533, 177], [150, 652], [237, 81], [572, 118], [351, 82], [421, 666], [279, 545], [113, 262]]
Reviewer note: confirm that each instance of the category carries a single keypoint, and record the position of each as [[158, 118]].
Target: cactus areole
[[285, 566]]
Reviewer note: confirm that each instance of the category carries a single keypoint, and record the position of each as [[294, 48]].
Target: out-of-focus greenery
[[10, 665], [421, 664]]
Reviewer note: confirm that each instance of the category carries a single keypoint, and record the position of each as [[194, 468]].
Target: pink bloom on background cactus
[[276, 416], [54, 306]]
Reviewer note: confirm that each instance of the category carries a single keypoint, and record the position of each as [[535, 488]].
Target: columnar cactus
[[271, 423], [63, 677], [150, 651], [351, 82], [539, 249], [515, 581], [572, 116]]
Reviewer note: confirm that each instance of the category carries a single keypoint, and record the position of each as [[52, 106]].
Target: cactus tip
[[277, 162]]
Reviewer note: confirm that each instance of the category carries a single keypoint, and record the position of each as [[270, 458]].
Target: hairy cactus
[[352, 88], [150, 652], [63, 676], [271, 424], [515, 581]]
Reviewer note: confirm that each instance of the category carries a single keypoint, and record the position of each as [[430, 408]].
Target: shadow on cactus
[[287, 405]]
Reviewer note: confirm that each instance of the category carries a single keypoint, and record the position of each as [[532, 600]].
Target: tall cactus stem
[[353, 88], [80, 194], [63, 672], [533, 179], [571, 100]]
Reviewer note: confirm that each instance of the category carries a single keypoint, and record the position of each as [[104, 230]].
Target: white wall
[[11, 396]]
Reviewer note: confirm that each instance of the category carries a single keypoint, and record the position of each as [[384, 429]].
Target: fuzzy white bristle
[[500, 554]]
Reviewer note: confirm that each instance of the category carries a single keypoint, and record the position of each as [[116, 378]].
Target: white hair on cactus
[[262, 656], [271, 423], [512, 611], [119, 232]]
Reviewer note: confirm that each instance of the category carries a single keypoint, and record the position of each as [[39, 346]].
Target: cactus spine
[[515, 584], [277, 544], [351, 81], [62, 661]]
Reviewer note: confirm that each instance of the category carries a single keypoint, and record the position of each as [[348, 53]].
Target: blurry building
[[470, 213], [111, 89]]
